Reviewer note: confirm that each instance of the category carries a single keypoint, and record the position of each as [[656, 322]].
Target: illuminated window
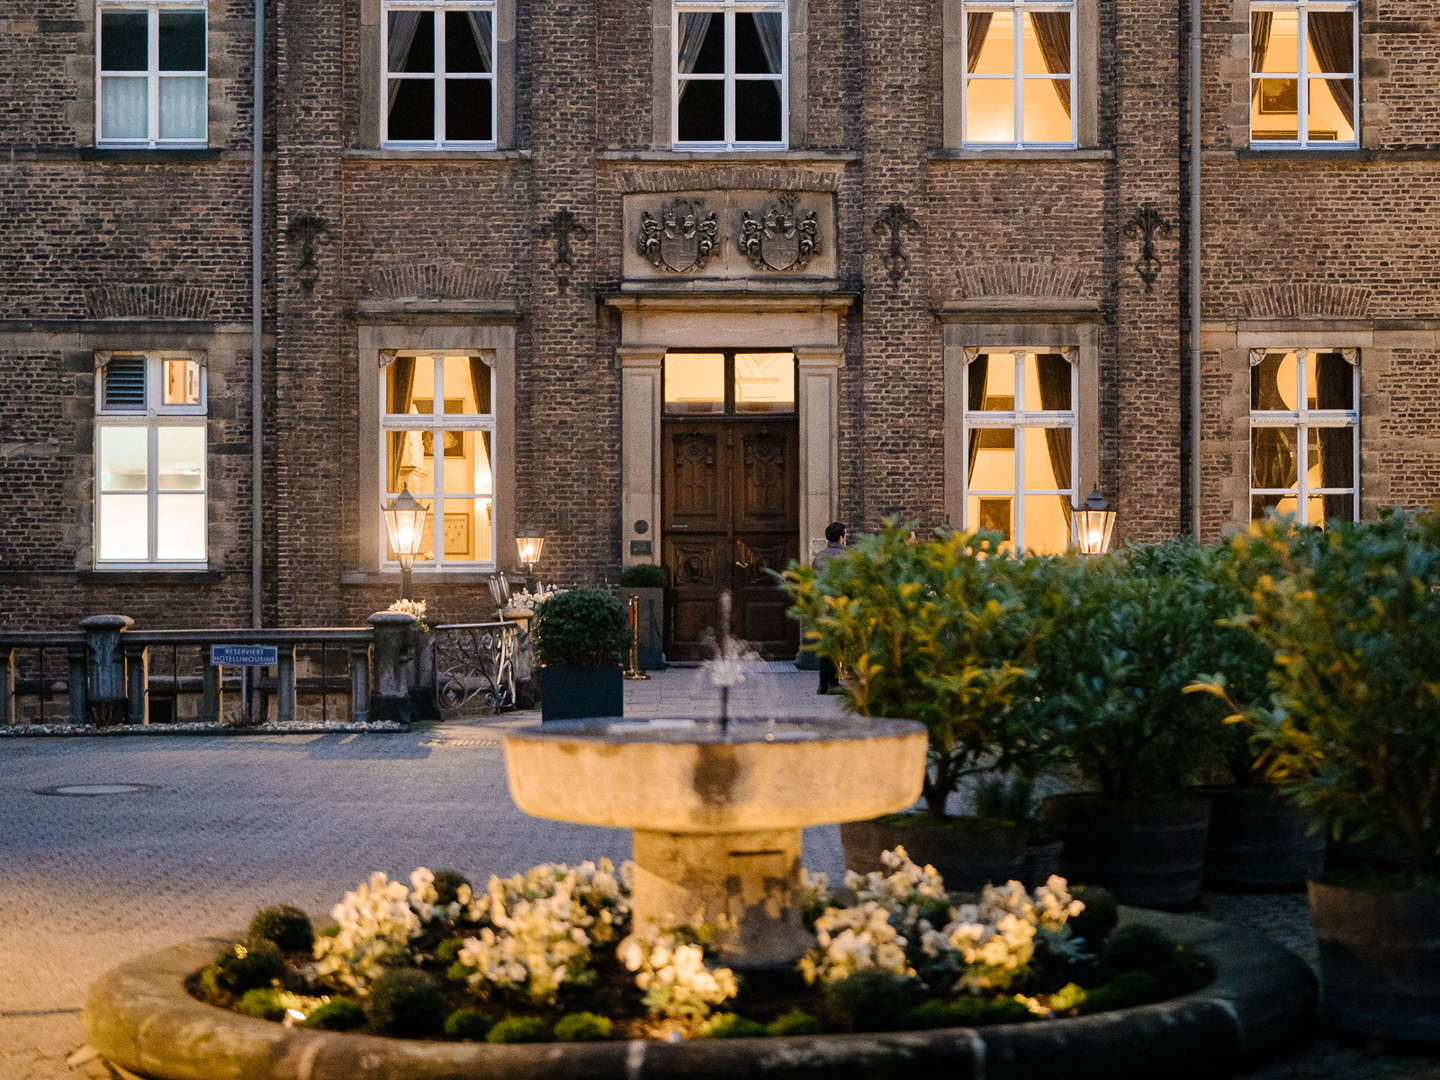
[[1019, 81], [152, 64], [439, 74], [1020, 447], [729, 74], [438, 439], [1304, 55], [735, 383], [1304, 419], [150, 509]]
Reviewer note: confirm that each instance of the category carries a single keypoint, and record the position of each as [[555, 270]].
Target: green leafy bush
[[794, 1022], [1126, 990], [1139, 948], [263, 1003], [449, 950], [933, 631], [1100, 916], [732, 1026], [965, 1012], [869, 1000], [245, 966], [405, 1001], [519, 1029], [468, 1024], [643, 576], [447, 885], [580, 628], [582, 1027], [288, 927], [337, 1014]]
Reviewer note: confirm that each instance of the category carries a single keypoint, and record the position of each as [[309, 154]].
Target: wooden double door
[[731, 511]]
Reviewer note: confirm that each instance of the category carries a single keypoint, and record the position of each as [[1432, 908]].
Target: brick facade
[[134, 249]]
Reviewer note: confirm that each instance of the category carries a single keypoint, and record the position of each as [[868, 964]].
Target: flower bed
[[552, 955]]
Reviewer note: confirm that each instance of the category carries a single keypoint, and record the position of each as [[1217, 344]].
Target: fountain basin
[[717, 814]]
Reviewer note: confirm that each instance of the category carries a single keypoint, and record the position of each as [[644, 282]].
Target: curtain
[[694, 27], [979, 367], [403, 25], [480, 32], [977, 26], [1330, 34], [401, 397], [480, 384], [1052, 31], [767, 27], [183, 108], [1260, 22], [124, 108], [1055, 381], [1335, 382], [1272, 457]]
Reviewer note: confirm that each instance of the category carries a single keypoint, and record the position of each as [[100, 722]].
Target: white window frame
[[153, 74], [1017, 420], [1017, 9], [439, 75], [152, 417], [1302, 8], [437, 424], [1301, 420], [728, 9]]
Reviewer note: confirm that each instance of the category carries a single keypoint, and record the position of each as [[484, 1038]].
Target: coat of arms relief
[[683, 236], [681, 239]]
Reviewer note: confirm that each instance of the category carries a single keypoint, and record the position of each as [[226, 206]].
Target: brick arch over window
[[148, 302], [1017, 279], [1290, 300]]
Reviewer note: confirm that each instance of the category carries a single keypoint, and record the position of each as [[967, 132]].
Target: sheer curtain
[[767, 26], [183, 112], [1052, 31], [977, 26], [694, 26], [480, 31], [124, 108], [403, 25]]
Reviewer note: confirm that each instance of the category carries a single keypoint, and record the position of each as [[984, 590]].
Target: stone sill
[[441, 156], [1058, 308], [419, 577], [142, 156], [153, 577], [490, 310], [1356, 156], [1056, 154], [679, 157], [126, 328]]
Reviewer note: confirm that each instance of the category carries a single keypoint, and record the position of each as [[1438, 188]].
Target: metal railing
[[475, 660]]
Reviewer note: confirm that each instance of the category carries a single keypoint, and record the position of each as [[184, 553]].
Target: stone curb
[[140, 1019]]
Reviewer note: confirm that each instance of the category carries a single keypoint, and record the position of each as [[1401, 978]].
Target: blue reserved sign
[[244, 655]]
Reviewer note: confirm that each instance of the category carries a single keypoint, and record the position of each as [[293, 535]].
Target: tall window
[[151, 90], [1020, 446], [438, 440], [150, 461], [439, 74], [1020, 81], [730, 70], [1304, 414], [1304, 55]]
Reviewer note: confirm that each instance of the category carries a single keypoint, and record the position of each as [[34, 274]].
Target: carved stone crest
[[780, 238], [681, 239]]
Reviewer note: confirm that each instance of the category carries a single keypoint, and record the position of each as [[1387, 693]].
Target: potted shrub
[[1119, 649], [647, 582], [934, 632], [580, 638], [1353, 618]]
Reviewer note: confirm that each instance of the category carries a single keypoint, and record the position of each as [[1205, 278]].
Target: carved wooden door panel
[[730, 504]]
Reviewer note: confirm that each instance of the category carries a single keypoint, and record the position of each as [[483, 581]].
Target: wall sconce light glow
[[1093, 524], [528, 545], [405, 523]]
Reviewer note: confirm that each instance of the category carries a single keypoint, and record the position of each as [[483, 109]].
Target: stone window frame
[[378, 342], [373, 77], [796, 84], [1085, 76], [152, 8], [154, 415], [964, 335], [1301, 141], [1301, 419]]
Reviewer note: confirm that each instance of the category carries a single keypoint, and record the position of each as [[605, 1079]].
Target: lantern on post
[[405, 524], [528, 546], [1092, 524]]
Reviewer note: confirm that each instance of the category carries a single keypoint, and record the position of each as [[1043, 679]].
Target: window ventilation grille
[[125, 383]]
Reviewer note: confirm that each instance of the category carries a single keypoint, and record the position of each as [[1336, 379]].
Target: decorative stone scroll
[[779, 238], [681, 239]]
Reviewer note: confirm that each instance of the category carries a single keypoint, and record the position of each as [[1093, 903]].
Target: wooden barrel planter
[[968, 852], [1150, 854], [1259, 840], [1379, 960]]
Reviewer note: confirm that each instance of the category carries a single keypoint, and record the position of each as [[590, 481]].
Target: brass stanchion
[[633, 671]]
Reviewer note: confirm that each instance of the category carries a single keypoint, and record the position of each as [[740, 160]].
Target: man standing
[[834, 546]]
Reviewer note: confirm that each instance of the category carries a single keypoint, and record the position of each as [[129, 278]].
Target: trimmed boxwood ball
[[643, 576], [1139, 948], [468, 1024], [1100, 916], [519, 1029], [243, 967], [867, 1001], [794, 1022], [583, 1027], [580, 628], [288, 927], [732, 1026], [263, 1003], [337, 1014], [405, 1002], [447, 885]]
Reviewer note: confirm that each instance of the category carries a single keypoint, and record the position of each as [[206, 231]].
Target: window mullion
[[1017, 73], [1302, 83], [437, 66], [152, 75], [729, 24], [152, 485]]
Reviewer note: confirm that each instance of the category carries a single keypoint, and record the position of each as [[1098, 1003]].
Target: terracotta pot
[[1379, 960], [968, 852], [1259, 840], [1151, 854]]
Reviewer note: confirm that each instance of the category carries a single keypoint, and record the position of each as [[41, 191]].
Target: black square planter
[[573, 693]]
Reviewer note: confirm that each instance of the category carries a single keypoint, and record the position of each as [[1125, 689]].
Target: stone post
[[392, 671], [106, 688]]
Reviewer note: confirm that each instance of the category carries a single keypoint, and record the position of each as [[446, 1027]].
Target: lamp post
[[1093, 523], [405, 524], [528, 545]]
